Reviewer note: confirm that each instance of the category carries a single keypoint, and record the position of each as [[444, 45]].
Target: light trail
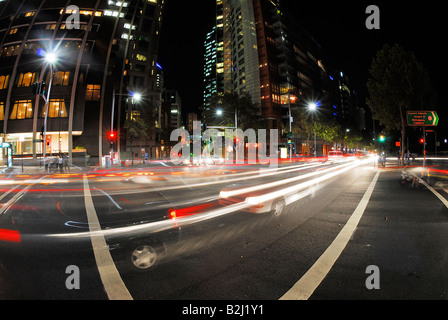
[[238, 177], [226, 194], [159, 226]]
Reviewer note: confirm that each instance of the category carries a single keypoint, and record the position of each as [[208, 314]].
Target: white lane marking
[[438, 195], [9, 191], [309, 282], [18, 195], [113, 284]]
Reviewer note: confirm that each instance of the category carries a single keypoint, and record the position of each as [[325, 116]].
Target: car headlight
[[253, 201], [223, 194]]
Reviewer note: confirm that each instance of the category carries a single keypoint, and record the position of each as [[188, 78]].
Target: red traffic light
[[422, 141], [112, 135]]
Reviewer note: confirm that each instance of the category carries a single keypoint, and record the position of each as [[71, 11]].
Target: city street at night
[[222, 158], [343, 216]]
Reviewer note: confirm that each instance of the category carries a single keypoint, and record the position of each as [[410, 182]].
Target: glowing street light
[[137, 97], [51, 57], [219, 113], [312, 106]]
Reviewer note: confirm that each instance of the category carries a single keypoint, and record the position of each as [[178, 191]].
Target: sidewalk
[[75, 169], [17, 170]]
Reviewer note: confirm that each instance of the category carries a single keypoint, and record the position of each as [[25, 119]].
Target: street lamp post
[[219, 112], [50, 58], [313, 108], [136, 97]]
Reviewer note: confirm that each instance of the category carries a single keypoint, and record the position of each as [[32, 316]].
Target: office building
[[106, 51], [267, 54]]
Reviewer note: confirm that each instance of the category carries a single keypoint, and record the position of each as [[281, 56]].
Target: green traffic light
[[382, 138]]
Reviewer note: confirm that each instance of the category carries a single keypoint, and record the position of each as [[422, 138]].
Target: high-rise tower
[[268, 55]]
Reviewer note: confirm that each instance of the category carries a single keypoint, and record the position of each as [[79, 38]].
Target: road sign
[[423, 118]]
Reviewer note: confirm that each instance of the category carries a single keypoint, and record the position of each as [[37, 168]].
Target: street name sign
[[423, 118]]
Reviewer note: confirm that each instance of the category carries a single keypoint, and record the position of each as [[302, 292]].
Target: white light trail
[[213, 213]]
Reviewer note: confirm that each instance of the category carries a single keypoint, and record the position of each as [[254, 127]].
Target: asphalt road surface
[[351, 231]]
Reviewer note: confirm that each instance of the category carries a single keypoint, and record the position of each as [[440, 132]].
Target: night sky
[[339, 27]]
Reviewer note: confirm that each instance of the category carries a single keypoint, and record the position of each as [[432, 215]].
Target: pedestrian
[[60, 163], [380, 160], [65, 161]]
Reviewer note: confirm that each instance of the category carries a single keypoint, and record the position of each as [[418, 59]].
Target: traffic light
[[289, 141], [36, 88], [111, 136], [422, 141], [43, 88], [382, 138], [39, 88]]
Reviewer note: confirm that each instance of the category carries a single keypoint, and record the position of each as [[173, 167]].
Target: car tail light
[[10, 235], [172, 214]]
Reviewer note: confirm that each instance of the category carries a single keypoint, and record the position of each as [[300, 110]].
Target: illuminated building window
[[141, 57], [4, 82], [2, 111], [118, 3], [60, 78], [135, 114], [30, 13], [56, 109], [10, 51], [26, 79], [22, 109], [68, 11], [13, 31], [93, 92]]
